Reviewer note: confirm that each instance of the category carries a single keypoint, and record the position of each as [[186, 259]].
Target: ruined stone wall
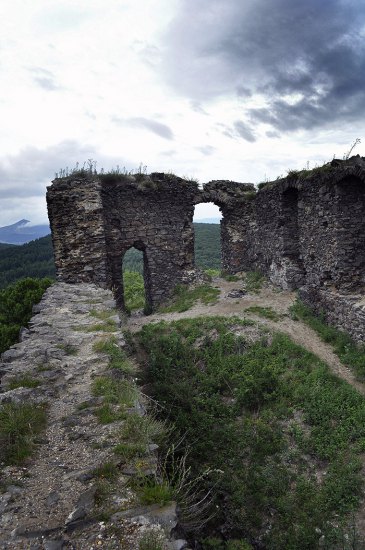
[[96, 219], [154, 216], [309, 234], [306, 231]]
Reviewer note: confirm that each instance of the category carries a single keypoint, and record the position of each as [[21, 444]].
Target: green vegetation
[[184, 297], [253, 281], [34, 259], [134, 293], [280, 433], [16, 302], [350, 354], [117, 358], [19, 424], [150, 491], [266, 312], [23, 381]]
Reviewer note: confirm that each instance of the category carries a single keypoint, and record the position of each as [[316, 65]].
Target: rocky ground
[[52, 502]]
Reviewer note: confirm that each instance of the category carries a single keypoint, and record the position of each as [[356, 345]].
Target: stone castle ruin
[[305, 232]]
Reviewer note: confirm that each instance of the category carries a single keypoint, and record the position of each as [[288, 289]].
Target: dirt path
[[279, 301]]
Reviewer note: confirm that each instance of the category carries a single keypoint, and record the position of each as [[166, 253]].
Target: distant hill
[[35, 259], [21, 233]]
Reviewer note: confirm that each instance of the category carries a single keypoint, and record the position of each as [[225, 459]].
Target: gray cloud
[[157, 128], [27, 173], [244, 131], [45, 79], [306, 59], [206, 149]]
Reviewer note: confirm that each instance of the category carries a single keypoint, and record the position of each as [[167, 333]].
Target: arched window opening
[[207, 237], [135, 297]]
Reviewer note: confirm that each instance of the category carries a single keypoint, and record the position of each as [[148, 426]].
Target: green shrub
[[16, 303]]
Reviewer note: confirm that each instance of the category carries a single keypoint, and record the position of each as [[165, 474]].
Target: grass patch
[[19, 425], [266, 312], [285, 433], [117, 358], [129, 451], [253, 281], [142, 430], [184, 298], [119, 395], [149, 491], [23, 381], [134, 292], [212, 273], [350, 354]]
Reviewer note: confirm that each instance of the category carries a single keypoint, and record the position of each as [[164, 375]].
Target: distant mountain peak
[[20, 232]]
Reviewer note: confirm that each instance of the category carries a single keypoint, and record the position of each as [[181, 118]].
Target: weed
[[116, 392], [23, 381], [143, 430], [253, 281], [211, 273], [184, 297], [266, 312], [19, 424], [43, 367], [129, 451], [106, 471], [106, 414], [149, 491], [152, 539]]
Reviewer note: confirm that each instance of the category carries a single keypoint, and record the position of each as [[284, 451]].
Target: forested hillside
[[35, 259]]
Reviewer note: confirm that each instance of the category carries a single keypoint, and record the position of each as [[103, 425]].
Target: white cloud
[[69, 70]]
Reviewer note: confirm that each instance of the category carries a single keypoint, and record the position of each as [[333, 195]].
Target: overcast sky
[[212, 89]]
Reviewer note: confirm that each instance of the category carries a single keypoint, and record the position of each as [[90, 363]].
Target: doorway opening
[[134, 290], [207, 238]]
